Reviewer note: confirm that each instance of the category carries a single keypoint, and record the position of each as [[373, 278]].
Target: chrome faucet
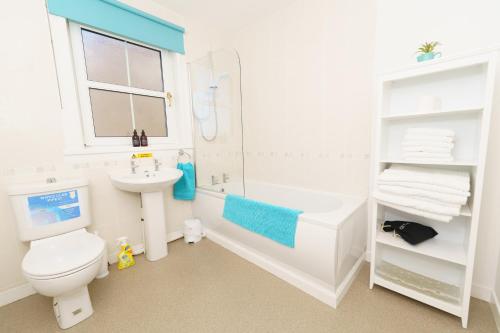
[[133, 165], [215, 181], [225, 178], [157, 164]]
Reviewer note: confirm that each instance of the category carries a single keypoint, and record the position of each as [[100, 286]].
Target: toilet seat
[[62, 255]]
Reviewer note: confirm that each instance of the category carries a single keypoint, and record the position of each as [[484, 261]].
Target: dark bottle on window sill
[[144, 139], [136, 142]]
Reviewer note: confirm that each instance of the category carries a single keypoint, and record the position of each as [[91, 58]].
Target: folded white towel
[[457, 180], [425, 194], [425, 187], [426, 154], [427, 143], [437, 217], [428, 138], [431, 132], [427, 149], [427, 206], [401, 168], [429, 160], [444, 157]]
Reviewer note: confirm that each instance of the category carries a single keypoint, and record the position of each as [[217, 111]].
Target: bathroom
[[274, 101]]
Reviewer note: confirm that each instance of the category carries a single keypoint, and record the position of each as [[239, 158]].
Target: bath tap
[[157, 164], [133, 165], [215, 181], [225, 177]]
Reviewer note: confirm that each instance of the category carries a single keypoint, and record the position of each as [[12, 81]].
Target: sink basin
[[151, 185], [145, 181]]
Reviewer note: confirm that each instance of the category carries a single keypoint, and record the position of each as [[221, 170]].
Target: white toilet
[[63, 257]]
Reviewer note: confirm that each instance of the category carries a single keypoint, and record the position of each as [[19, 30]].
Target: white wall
[[307, 93], [461, 26], [33, 143]]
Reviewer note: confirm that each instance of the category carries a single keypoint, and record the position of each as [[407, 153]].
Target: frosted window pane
[[105, 58], [145, 68], [149, 113], [111, 112]]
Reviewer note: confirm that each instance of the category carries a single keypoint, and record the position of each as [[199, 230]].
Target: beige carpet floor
[[205, 288]]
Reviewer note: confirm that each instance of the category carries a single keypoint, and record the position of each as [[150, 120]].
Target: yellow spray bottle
[[125, 257]]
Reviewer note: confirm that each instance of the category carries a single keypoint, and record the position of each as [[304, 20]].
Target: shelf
[[436, 248], [432, 114], [454, 309], [464, 211], [434, 272], [453, 163]]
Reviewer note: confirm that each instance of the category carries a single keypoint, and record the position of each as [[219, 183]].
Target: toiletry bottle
[[136, 142], [125, 256], [144, 139]]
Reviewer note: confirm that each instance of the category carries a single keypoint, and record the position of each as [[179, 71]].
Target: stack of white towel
[[432, 193], [428, 144]]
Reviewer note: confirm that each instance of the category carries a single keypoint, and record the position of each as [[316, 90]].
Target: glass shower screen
[[217, 113]]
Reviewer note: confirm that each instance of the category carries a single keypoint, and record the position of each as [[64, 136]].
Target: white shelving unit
[[465, 86]]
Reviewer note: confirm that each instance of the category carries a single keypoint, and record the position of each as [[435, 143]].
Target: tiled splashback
[[210, 164], [342, 172], [76, 163]]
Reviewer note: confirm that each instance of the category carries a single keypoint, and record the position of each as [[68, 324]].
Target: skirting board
[[495, 308], [14, 294], [298, 280], [481, 292]]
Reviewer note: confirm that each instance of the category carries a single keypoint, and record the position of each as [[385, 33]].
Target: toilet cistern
[[151, 185]]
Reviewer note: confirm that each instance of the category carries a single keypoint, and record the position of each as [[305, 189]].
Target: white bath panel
[[330, 238], [302, 281]]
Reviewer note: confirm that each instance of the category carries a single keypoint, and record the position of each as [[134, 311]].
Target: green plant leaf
[[428, 47]]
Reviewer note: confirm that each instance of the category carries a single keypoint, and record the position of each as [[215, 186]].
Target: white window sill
[[96, 150]]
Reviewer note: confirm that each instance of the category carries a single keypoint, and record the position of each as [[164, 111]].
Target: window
[[122, 86]]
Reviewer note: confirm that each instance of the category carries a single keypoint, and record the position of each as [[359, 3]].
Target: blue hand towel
[[274, 222], [185, 187]]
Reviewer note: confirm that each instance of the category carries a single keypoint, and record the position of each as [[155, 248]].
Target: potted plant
[[426, 51]]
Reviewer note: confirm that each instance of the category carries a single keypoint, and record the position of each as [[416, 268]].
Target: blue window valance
[[118, 18]]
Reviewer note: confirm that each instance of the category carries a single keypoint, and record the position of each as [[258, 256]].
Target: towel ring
[[183, 153]]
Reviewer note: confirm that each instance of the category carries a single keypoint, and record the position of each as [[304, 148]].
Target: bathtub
[[330, 240]]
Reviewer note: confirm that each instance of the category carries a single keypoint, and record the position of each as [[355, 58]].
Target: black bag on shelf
[[412, 232]]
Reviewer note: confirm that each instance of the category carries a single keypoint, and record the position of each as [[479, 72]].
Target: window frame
[[83, 85]]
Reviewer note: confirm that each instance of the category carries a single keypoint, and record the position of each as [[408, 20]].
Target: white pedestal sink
[[151, 185]]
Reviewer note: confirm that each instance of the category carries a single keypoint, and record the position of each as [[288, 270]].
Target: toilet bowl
[[61, 267], [63, 257]]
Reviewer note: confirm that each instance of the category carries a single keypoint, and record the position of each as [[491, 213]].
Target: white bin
[[193, 231]]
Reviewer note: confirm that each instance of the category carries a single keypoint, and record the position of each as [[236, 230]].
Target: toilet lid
[[62, 253]]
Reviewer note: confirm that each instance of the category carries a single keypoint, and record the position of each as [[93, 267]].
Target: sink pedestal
[[151, 185], [155, 232]]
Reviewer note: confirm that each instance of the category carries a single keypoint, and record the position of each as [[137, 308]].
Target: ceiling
[[224, 15]]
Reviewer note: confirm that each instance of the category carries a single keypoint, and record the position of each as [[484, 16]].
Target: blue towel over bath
[[185, 188], [274, 222]]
